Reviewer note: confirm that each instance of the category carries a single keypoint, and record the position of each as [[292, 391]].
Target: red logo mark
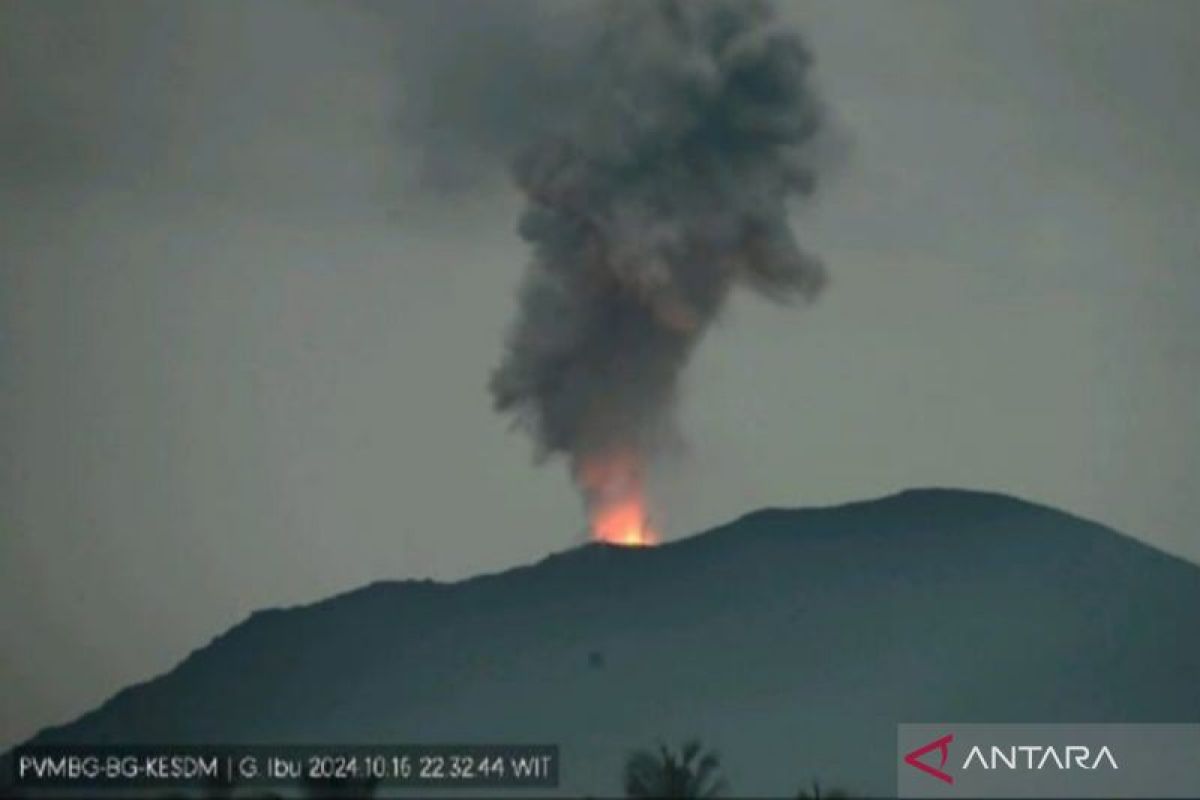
[[942, 745]]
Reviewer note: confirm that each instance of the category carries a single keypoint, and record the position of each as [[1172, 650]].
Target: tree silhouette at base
[[817, 793], [692, 772]]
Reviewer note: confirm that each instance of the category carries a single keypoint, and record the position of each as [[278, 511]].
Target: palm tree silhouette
[[692, 772]]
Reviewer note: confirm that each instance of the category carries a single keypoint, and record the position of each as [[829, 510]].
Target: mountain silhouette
[[792, 641]]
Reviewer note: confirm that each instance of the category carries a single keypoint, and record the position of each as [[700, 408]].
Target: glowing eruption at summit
[[616, 500], [654, 190]]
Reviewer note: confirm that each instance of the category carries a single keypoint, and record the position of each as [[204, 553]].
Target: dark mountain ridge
[[792, 641]]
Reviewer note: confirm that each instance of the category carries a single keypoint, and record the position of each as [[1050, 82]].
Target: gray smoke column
[[665, 188]]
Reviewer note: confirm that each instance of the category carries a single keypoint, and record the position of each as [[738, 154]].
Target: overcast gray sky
[[247, 321]]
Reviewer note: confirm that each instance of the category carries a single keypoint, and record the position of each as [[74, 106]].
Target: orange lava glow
[[625, 524], [616, 500]]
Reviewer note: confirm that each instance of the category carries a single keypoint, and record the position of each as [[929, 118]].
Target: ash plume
[[665, 187]]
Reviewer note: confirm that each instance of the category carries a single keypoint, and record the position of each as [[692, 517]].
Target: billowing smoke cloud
[[665, 188]]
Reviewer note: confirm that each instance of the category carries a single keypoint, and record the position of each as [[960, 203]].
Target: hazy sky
[[247, 319]]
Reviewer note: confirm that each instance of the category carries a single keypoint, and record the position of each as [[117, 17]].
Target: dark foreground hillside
[[791, 641]]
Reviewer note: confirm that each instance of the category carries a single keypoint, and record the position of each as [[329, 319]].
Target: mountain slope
[[792, 641]]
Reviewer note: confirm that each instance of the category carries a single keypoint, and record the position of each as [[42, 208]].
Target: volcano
[[792, 641]]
